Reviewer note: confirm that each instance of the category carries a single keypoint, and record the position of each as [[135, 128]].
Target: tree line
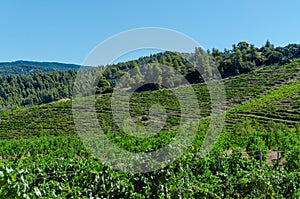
[[38, 88]]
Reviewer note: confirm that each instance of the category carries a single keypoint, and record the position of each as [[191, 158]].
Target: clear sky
[[67, 30]]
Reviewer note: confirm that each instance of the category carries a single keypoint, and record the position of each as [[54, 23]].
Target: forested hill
[[242, 58], [29, 67], [25, 83]]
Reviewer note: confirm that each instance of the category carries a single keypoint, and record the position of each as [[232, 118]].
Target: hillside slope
[[56, 118]]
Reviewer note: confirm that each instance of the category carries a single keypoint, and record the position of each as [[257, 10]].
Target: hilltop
[[29, 67]]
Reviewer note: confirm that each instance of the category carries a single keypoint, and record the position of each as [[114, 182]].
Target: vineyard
[[256, 156]]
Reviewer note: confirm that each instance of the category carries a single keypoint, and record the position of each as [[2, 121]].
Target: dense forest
[[22, 90], [20, 87]]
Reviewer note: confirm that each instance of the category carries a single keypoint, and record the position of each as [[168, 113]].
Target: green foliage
[[42, 155], [243, 59], [36, 88], [28, 88], [103, 86], [62, 167]]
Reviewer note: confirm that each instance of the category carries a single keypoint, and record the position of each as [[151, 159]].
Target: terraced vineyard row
[[280, 105]]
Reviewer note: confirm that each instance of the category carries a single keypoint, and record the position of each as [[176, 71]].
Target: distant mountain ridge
[[22, 67]]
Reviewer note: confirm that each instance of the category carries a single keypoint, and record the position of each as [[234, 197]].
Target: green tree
[[135, 72], [154, 75], [103, 85]]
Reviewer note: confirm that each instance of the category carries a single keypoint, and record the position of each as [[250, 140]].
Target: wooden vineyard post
[[260, 157], [219, 163]]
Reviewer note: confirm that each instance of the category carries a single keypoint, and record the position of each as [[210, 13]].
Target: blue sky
[[66, 31]]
